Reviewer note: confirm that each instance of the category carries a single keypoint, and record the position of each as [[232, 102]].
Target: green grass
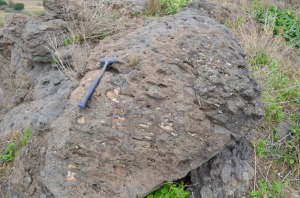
[[15, 145], [72, 40], [266, 189], [165, 7], [172, 6], [283, 21], [270, 38], [281, 94], [10, 152]]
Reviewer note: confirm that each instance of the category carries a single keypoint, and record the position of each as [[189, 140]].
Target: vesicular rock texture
[[226, 175], [181, 93]]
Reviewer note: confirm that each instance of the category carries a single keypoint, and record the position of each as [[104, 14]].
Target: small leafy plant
[[12, 148], [27, 134], [170, 190], [172, 6], [261, 58], [54, 61], [285, 22], [165, 7], [261, 148], [268, 190], [72, 40]]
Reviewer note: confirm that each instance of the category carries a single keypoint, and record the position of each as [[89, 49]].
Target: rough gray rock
[[62, 9], [27, 79], [227, 175], [6, 46], [29, 98], [31, 36], [31, 93], [182, 93], [212, 10], [129, 8]]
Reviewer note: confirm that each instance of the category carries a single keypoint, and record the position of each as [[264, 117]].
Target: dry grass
[[153, 7], [97, 21], [134, 59], [68, 59], [70, 51], [2, 16], [278, 70]]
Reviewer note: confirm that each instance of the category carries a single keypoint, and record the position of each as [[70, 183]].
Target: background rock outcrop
[[180, 95], [129, 8]]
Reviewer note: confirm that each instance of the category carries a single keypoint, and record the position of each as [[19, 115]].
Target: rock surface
[[31, 36], [212, 10], [129, 8], [227, 175], [62, 9], [180, 95]]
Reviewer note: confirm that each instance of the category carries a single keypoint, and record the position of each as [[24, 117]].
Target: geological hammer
[[107, 61]]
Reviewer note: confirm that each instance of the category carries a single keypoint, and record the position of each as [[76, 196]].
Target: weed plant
[[170, 190], [268, 190], [12, 148], [284, 22], [97, 22], [72, 40], [172, 6], [165, 7]]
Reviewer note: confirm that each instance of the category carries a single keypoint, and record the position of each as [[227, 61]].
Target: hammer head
[[108, 60]]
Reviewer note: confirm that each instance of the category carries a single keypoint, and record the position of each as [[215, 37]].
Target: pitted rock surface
[[229, 174], [31, 36], [31, 92], [181, 94]]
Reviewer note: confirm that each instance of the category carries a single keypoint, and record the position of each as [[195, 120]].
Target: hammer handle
[[87, 96], [83, 102]]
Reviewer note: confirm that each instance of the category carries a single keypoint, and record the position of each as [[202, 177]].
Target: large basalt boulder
[[180, 95]]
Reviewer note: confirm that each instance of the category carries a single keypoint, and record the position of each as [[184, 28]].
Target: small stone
[[81, 120], [71, 176], [72, 166], [166, 127], [113, 94], [234, 183]]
